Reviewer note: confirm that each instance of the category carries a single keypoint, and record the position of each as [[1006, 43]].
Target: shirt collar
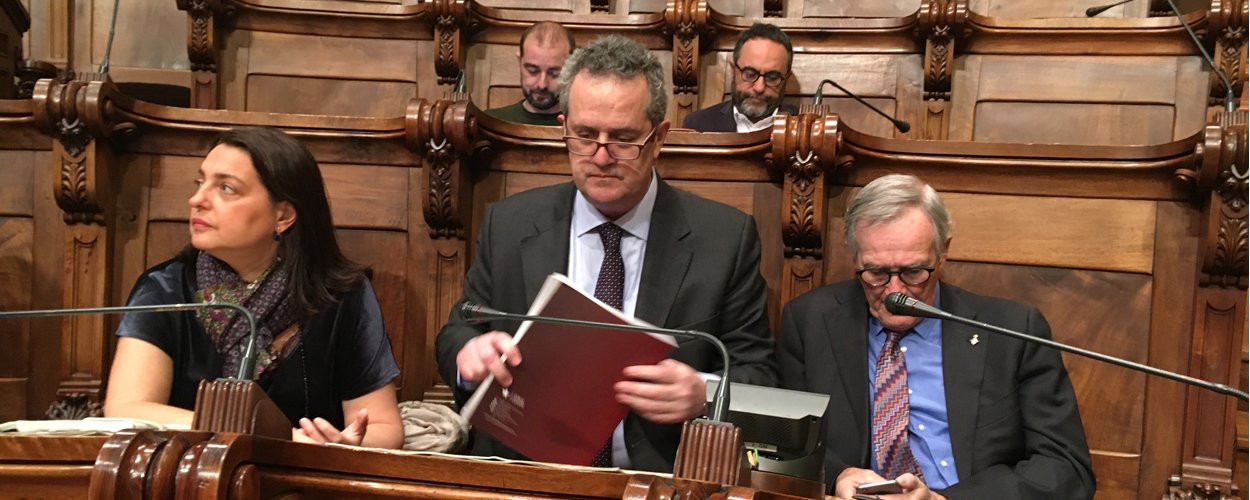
[[745, 124], [928, 329], [636, 222]]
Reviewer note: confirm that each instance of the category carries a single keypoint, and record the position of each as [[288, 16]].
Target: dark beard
[[755, 113], [540, 99]]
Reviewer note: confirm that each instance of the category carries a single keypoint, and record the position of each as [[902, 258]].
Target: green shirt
[[517, 113]]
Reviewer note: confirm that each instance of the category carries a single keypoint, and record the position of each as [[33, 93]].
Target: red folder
[[561, 406]]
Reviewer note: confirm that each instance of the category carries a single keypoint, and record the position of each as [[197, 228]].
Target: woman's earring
[[277, 236]]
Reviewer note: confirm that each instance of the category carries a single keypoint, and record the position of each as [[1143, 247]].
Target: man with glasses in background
[[761, 66], [627, 237], [946, 410]]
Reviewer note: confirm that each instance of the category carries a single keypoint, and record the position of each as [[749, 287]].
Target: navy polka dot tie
[[610, 288]]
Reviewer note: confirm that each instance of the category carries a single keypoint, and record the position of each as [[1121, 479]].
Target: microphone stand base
[[238, 406]]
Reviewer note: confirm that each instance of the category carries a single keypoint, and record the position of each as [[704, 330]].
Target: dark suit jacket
[[1014, 426], [720, 117], [700, 272]]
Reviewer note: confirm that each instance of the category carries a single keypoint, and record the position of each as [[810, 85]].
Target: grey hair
[[886, 198], [620, 57]]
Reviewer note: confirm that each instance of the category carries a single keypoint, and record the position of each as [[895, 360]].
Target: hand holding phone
[[880, 488]]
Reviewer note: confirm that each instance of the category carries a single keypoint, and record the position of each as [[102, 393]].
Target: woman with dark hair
[[262, 237]]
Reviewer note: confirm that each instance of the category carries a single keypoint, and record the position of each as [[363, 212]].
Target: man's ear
[[286, 216], [560, 118]]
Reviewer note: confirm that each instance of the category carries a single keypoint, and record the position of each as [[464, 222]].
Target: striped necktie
[[890, 410]]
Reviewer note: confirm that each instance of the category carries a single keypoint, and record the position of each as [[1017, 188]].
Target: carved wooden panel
[[1054, 8], [851, 8], [1075, 100]]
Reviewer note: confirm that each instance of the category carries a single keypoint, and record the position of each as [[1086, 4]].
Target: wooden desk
[[47, 466]]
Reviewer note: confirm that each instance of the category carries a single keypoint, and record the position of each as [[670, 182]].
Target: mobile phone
[[881, 488]]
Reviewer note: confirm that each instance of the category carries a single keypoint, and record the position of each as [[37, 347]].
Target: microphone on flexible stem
[[477, 313], [901, 125], [247, 364], [899, 303], [1093, 11]]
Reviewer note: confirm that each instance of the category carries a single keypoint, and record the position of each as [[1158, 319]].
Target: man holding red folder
[[662, 255]]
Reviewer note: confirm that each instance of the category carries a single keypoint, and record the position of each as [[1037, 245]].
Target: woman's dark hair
[[309, 252]]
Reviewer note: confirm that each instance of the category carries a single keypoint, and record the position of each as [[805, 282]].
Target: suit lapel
[[667, 258], [963, 364], [546, 251], [846, 330]]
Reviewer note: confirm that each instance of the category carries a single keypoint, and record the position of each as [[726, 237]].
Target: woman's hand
[[320, 431]]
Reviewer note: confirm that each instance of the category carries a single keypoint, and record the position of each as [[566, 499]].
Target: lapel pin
[[974, 340]]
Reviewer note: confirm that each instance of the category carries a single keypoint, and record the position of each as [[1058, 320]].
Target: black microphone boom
[[247, 365], [901, 125], [476, 313], [1093, 11], [900, 303]]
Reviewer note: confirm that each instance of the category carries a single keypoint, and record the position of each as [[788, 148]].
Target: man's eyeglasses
[[909, 276], [749, 75], [582, 146]]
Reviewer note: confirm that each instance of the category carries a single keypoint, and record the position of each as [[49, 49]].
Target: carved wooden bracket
[[202, 23], [941, 24], [1220, 183], [1227, 24], [687, 22], [28, 72], [451, 22], [804, 152], [74, 407], [444, 132], [600, 6], [1177, 490]]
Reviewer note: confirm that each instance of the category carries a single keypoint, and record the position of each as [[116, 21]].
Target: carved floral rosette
[[443, 132]]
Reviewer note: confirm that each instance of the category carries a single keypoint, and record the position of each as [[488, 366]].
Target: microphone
[[477, 313], [1093, 11], [901, 125], [899, 303], [247, 365]]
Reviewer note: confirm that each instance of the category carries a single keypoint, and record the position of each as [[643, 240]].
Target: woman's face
[[232, 217]]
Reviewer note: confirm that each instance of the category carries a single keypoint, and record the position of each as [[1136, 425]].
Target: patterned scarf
[[267, 298]]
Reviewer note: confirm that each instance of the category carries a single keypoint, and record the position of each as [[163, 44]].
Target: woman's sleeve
[[156, 328], [364, 351]]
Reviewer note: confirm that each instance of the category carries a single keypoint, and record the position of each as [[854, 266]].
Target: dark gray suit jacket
[[1014, 426], [700, 272], [720, 117]]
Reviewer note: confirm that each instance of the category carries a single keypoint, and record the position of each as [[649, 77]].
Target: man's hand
[[481, 356], [319, 431], [666, 393], [913, 487]]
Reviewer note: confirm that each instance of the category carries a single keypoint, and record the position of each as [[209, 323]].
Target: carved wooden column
[[774, 8], [444, 133], [1227, 23], [202, 19], [686, 21], [451, 22], [805, 149], [1220, 309], [77, 114], [941, 24]]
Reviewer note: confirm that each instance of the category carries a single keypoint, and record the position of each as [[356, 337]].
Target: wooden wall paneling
[[16, 248], [1076, 100], [1054, 9], [849, 8], [1140, 36], [135, 58]]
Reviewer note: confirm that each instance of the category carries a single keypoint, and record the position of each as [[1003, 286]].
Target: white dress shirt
[[586, 256], [745, 124]]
